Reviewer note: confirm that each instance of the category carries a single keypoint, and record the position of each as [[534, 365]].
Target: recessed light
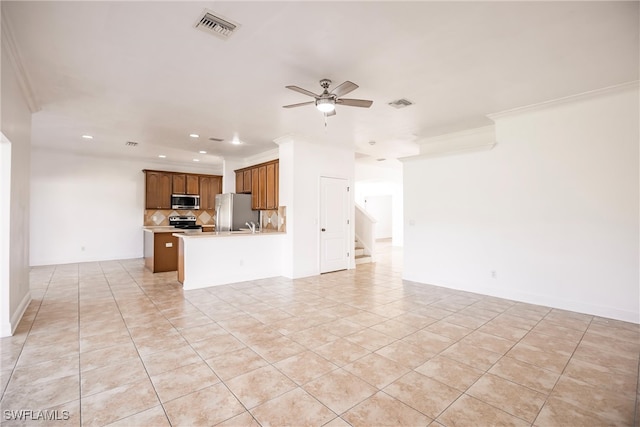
[[196, 160], [202, 152], [87, 136], [194, 135], [162, 156], [236, 141]]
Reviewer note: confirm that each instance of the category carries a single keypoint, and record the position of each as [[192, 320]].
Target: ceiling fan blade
[[344, 88], [330, 113], [302, 91], [299, 105], [355, 102]]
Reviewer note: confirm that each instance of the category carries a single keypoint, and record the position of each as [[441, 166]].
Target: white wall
[[381, 181], [16, 130], [552, 210], [95, 203], [301, 166]]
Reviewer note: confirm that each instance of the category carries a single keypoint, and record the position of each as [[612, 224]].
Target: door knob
[[324, 229]]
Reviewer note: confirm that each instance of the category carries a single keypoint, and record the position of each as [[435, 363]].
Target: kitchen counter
[[220, 258]]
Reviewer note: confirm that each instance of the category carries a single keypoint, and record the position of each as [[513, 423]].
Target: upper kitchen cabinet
[[158, 189], [185, 184], [209, 187], [262, 182], [161, 185]]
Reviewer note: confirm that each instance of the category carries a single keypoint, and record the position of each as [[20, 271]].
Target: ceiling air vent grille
[[131, 143], [400, 103], [216, 25]]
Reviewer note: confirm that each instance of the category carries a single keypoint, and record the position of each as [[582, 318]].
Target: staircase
[[361, 257]]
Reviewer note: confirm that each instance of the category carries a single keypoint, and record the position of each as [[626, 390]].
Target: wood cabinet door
[[255, 203], [158, 190], [271, 188], [247, 176], [240, 182], [262, 187], [179, 183], [193, 184], [209, 187]]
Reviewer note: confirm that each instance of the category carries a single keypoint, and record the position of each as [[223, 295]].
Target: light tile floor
[[111, 344]]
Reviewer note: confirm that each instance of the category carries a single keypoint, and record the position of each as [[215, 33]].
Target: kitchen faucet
[[251, 225]]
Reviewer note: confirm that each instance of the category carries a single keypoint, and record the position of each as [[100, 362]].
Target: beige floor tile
[[304, 367], [235, 363], [45, 371], [525, 374], [450, 372], [294, 408], [342, 327], [471, 355], [602, 377], [394, 328], [610, 342], [365, 318], [259, 386], [503, 331], [449, 330], [337, 422], [218, 345], [209, 406], [277, 349], [184, 380], [428, 342], [624, 363], [313, 337], [423, 393], [383, 410], [111, 376], [339, 390], [270, 316], [615, 406], [370, 339], [405, 354], [164, 361], [508, 396], [376, 370], [106, 356], [468, 411], [488, 342], [41, 395], [98, 341], [534, 356], [120, 402], [341, 352], [202, 332], [557, 412], [549, 344], [151, 417], [245, 419]]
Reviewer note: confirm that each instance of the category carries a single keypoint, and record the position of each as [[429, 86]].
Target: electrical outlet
[[494, 274]]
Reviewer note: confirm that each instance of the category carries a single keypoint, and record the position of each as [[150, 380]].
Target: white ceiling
[[139, 71]]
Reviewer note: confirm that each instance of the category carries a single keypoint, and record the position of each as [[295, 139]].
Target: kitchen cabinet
[[271, 186], [185, 184], [160, 251], [209, 187], [160, 185], [262, 181], [158, 190]]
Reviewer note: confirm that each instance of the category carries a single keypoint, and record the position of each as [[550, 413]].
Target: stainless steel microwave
[[185, 201]]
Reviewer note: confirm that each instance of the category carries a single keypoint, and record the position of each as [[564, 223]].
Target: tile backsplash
[[273, 219], [156, 217]]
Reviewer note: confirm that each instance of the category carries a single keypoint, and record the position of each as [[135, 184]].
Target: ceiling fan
[[326, 101]]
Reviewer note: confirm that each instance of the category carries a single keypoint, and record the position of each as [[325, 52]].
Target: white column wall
[[552, 211]]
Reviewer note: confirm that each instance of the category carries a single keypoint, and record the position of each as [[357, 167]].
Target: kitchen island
[[220, 258]]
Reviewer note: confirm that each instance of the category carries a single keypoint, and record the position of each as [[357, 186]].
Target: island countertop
[[223, 257]]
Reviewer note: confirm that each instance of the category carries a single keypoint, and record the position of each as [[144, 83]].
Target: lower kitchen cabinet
[[160, 251]]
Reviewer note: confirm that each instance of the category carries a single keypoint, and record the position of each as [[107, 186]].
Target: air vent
[[216, 25], [400, 103], [216, 139], [130, 143]]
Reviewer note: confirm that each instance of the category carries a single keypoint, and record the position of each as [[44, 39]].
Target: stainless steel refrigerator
[[233, 211]]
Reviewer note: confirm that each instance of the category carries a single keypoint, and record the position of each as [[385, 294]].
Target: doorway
[[334, 224]]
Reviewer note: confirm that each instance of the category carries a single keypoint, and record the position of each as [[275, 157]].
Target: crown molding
[[477, 139], [609, 90], [9, 44]]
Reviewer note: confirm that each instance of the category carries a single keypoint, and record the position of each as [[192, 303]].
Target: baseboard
[[7, 329]]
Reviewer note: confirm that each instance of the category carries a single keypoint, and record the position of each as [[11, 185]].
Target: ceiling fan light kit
[[326, 101]]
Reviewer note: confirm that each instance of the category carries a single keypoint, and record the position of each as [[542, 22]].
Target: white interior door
[[334, 224]]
